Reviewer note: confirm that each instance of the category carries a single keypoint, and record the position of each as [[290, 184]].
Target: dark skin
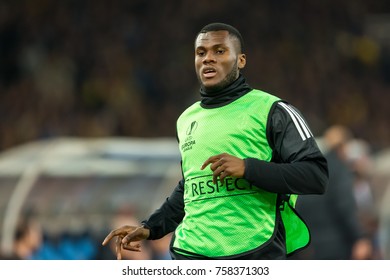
[[124, 236], [225, 165], [218, 61]]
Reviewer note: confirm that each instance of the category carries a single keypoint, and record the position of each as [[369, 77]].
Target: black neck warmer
[[213, 99]]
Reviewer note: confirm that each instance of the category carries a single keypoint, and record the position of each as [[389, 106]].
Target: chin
[[210, 84]]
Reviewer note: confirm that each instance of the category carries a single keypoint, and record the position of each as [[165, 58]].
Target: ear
[[241, 61]]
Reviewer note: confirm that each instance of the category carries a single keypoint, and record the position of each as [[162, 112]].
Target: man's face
[[217, 61]]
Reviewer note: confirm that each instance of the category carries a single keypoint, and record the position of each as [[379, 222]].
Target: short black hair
[[218, 26]]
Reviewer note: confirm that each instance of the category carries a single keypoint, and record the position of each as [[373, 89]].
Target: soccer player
[[246, 156]]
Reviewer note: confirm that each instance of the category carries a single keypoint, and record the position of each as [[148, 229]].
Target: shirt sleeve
[[166, 218], [297, 166]]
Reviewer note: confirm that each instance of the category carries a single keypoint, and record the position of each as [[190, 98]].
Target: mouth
[[209, 72]]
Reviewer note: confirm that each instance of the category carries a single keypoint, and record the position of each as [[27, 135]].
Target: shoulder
[[263, 95], [190, 109], [284, 114]]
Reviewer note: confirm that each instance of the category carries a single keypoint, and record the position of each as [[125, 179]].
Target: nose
[[209, 57]]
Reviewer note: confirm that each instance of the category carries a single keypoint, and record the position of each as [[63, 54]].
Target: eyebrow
[[214, 46]]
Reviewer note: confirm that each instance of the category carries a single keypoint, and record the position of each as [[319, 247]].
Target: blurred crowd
[[32, 242], [103, 68], [344, 222]]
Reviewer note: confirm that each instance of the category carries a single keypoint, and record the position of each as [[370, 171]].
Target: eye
[[200, 53], [220, 51]]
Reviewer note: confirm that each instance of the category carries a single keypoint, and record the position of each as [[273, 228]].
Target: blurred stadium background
[[90, 91]]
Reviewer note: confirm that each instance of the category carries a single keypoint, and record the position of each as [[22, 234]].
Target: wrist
[[146, 230]]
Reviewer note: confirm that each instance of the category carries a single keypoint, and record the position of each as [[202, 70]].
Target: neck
[[217, 98]]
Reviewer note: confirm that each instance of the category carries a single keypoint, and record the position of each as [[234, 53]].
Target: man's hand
[[224, 165], [124, 236]]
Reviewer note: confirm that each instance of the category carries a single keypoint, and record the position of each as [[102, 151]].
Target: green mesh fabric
[[235, 217]]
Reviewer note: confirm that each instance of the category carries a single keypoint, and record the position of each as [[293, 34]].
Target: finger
[[118, 248], [134, 248], [130, 236], [207, 162], [222, 176], [106, 240], [217, 164], [217, 173], [211, 159], [111, 235]]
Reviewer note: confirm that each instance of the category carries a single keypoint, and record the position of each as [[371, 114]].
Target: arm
[[297, 166], [165, 219]]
